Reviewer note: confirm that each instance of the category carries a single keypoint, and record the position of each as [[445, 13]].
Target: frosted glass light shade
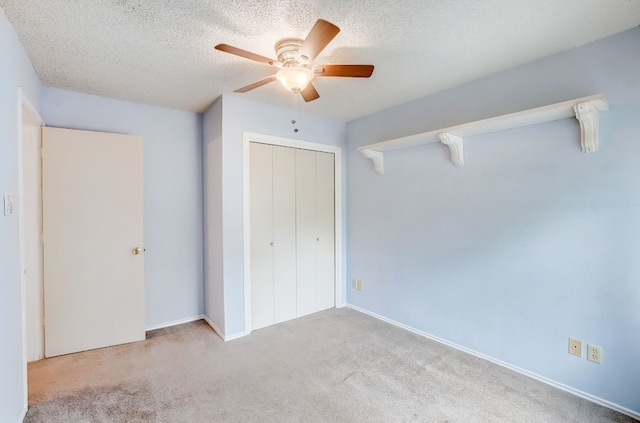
[[295, 79]]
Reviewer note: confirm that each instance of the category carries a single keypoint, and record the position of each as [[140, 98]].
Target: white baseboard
[[235, 336], [220, 333], [24, 414], [175, 322], [535, 376], [214, 327]]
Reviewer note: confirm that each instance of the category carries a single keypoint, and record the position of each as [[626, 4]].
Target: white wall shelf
[[585, 109]]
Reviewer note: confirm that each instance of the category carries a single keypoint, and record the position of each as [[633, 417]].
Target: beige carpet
[[333, 366]]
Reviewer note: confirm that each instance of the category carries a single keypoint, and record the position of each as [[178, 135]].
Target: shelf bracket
[[588, 116], [377, 157], [455, 144]]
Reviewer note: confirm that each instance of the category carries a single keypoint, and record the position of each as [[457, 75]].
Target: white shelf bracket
[[588, 116], [455, 144], [377, 157]]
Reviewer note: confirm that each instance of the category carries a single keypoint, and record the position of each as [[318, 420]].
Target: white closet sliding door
[[292, 233]]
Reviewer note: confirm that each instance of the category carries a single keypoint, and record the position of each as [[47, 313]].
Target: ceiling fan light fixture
[[294, 64], [295, 78]]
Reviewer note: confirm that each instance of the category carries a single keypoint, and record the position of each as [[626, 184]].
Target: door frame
[[27, 113], [249, 137]]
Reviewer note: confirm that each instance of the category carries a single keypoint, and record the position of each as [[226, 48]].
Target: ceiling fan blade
[[246, 54], [352, 71], [256, 84], [309, 93], [320, 35]]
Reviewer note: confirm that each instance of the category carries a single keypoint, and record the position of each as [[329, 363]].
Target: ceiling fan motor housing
[[287, 52]]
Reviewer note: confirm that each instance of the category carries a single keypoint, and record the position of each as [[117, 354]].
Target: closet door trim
[[249, 137]]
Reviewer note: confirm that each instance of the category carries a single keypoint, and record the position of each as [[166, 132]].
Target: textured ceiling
[[162, 51]]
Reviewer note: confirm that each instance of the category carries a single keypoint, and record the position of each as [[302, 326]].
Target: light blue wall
[[530, 242], [240, 115], [15, 70], [172, 192], [213, 223]]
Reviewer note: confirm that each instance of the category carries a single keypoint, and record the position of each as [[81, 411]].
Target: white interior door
[[92, 225]]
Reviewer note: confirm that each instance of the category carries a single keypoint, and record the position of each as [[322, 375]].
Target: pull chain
[[295, 110]]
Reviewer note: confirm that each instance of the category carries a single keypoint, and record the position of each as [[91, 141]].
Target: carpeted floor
[[334, 366]]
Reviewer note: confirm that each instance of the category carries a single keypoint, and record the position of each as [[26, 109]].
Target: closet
[[292, 233]]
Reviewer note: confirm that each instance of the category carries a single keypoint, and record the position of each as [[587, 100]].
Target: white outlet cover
[[594, 353], [8, 204]]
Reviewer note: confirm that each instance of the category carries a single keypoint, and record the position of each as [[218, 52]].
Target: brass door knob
[[136, 251]]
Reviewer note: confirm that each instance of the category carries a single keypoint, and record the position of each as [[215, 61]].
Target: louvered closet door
[[314, 231]]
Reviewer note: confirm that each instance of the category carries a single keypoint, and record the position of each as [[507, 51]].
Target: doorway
[[30, 223], [30, 194]]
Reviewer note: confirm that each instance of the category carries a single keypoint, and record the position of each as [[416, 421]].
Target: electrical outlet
[[594, 353], [575, 347], [8, 204], [356, 284]]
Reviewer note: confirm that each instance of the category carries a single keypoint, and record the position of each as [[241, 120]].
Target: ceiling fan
[[295, 71]]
